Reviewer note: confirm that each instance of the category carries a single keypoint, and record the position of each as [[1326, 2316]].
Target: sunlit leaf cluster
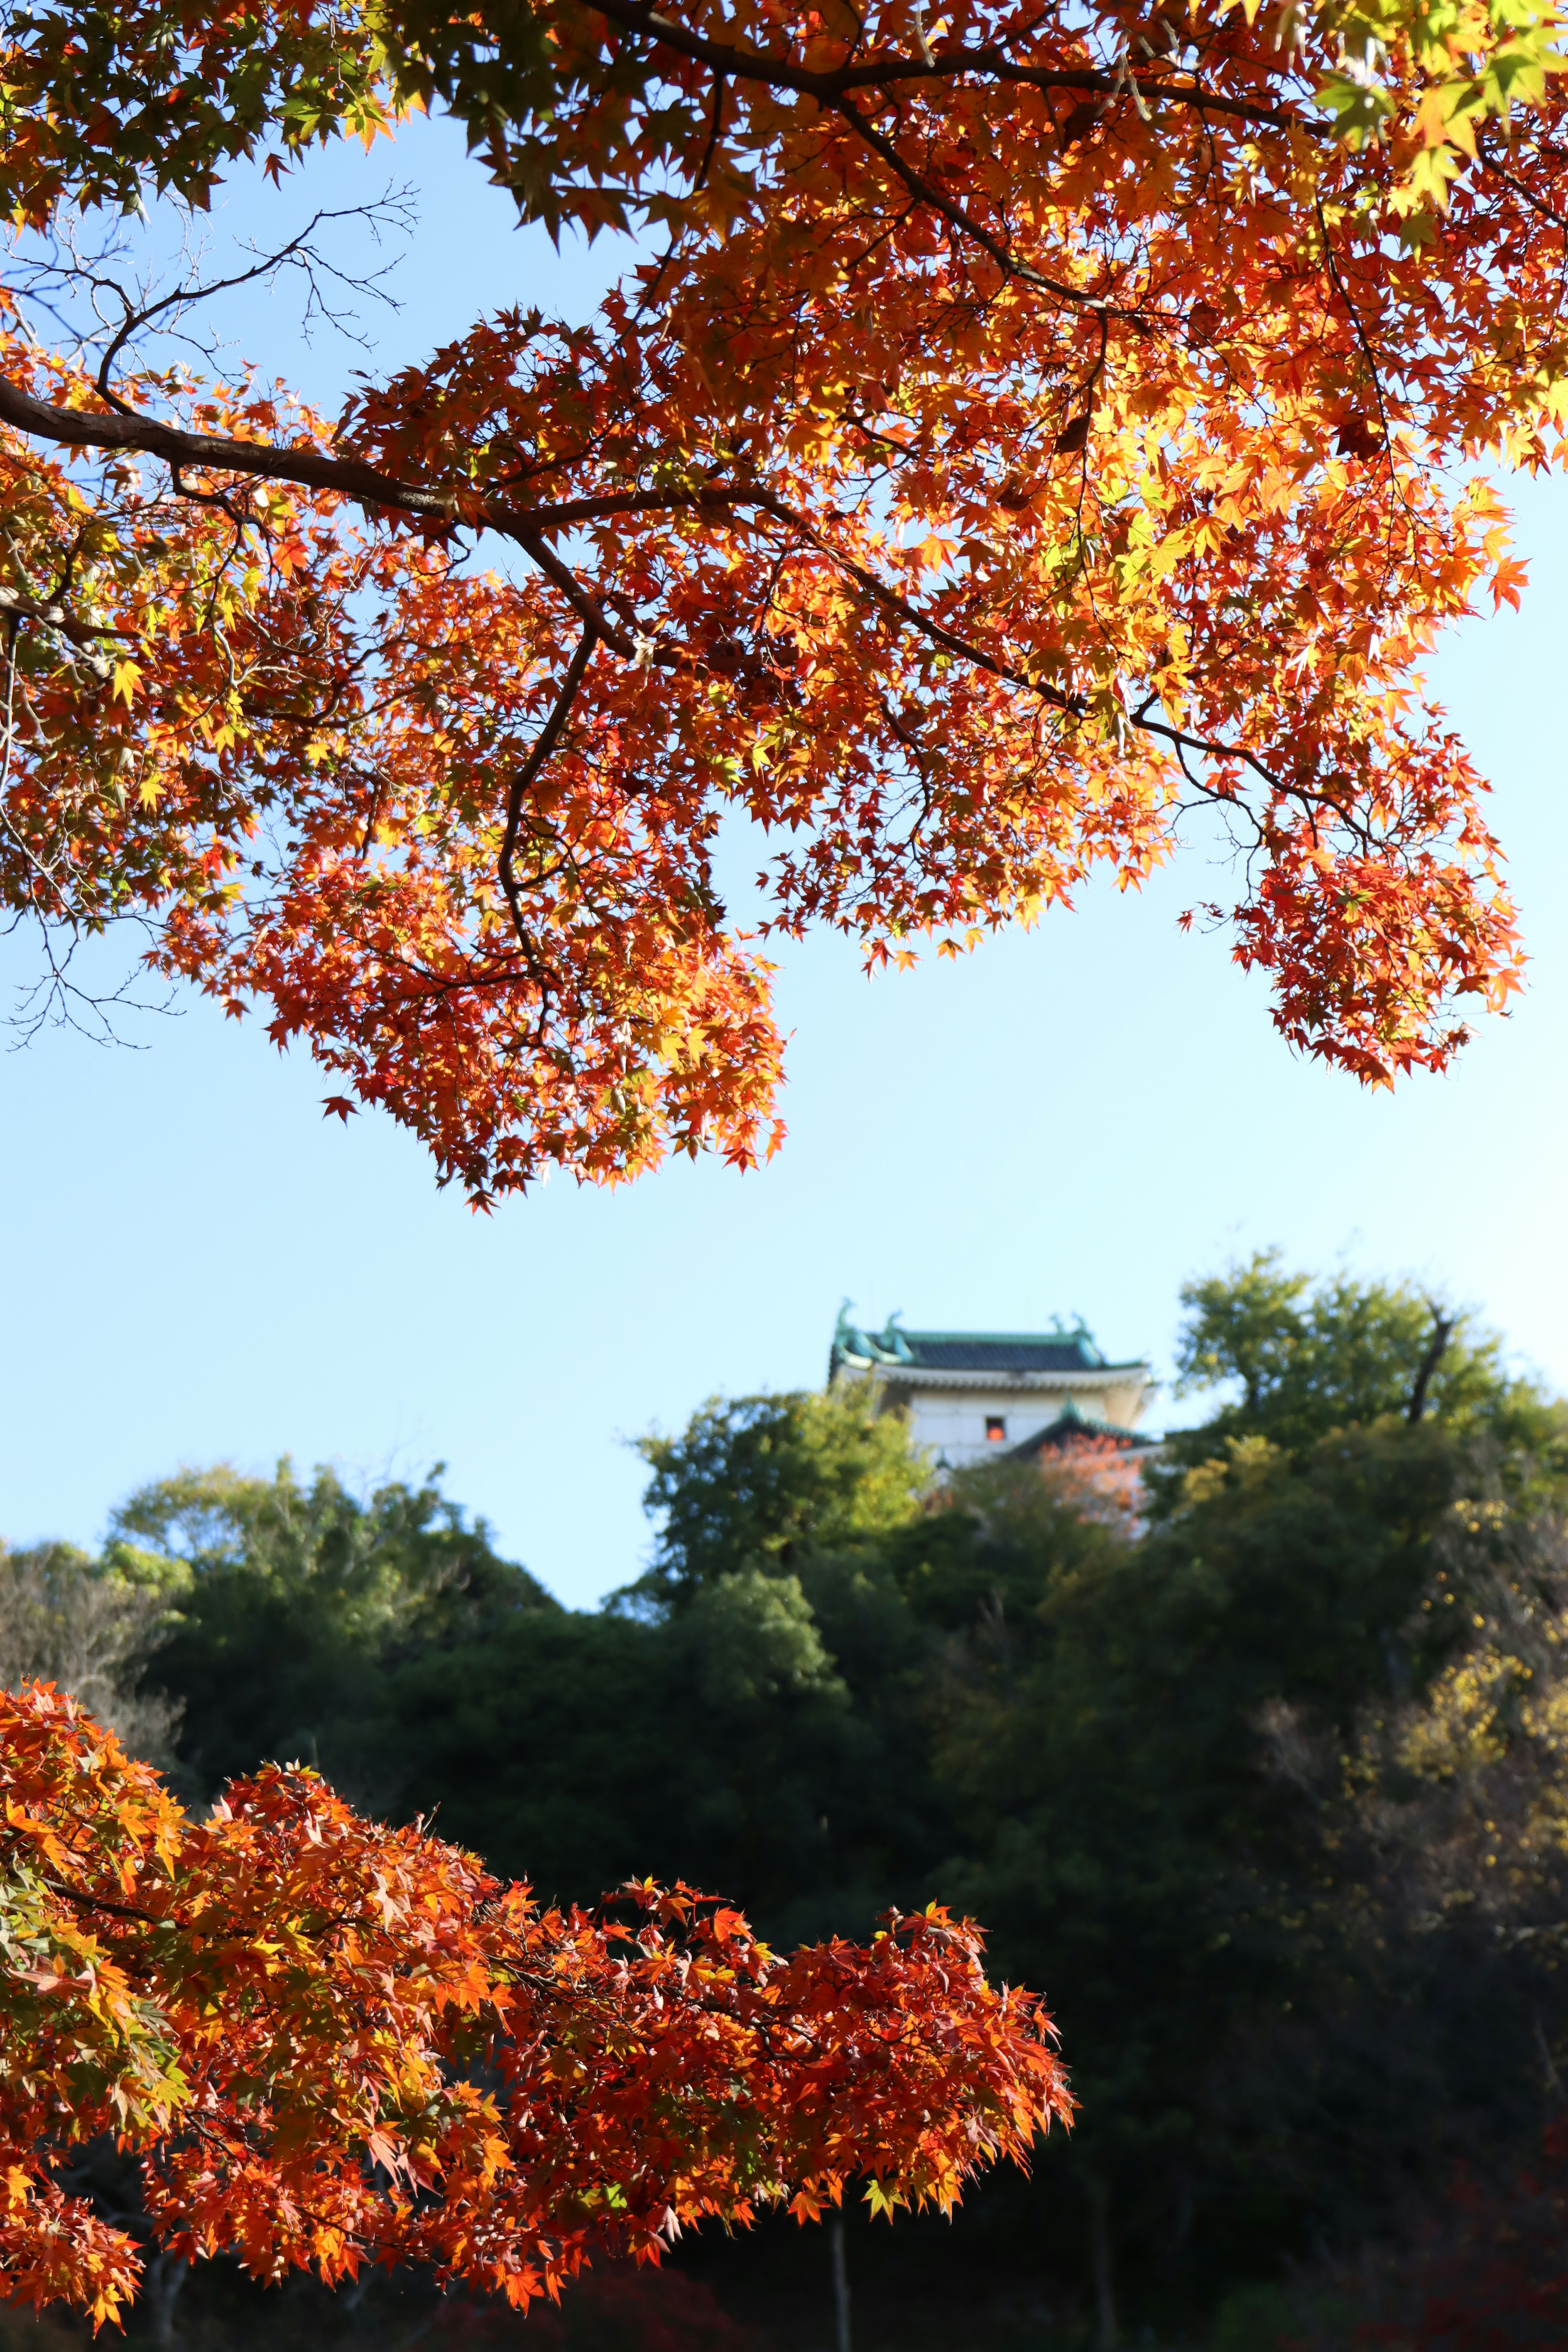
[[335, 2043], [1035, 429]]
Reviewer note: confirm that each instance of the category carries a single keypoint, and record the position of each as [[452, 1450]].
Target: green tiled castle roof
[[1060, 1349]]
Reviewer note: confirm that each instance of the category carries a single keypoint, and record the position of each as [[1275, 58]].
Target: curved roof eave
[[921, 1376]]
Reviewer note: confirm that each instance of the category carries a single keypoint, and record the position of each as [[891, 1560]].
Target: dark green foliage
[[1130, 1831], [577, 1750], [1123, 1836], [291, 1603], [1001, 1541]]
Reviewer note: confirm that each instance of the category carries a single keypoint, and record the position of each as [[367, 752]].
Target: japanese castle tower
[[973, 1396]]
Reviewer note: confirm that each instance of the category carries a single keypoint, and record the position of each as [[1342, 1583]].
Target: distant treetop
[[1296, 1358]]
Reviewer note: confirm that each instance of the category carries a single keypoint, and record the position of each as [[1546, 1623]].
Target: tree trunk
[[840, 2281], [1107, 2334], [163, 2276], [1442, 1332]]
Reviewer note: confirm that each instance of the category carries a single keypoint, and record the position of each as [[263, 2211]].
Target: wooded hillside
[[1268, 1793]]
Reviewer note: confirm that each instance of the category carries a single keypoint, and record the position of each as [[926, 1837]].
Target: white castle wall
[[952, 1422]]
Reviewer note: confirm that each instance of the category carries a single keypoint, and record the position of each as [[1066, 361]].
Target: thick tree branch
[[55, 616], [992, 63], [79, 428], [1437, 1349], [588, 609], [543, 745]]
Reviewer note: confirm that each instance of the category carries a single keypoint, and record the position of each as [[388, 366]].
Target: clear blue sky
[[199, 1267]]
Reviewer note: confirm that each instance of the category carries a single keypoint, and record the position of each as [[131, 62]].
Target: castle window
[[995, 1429]]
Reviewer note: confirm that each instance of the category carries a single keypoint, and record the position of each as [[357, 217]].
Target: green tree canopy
[[1110, 1752], [1304, 1357], [288, 1602], [759, 1480]]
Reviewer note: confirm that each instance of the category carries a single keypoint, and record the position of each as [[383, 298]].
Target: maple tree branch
[[1337, 281], [314, 470], [567, 512], [543, 745], [78, 428], [1072, 705], [892, 601], [992, 62], [588, 609], [1182, 741], [1520, 188], [55, 616], [81, 1900], [137, 317], [927, 194]]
